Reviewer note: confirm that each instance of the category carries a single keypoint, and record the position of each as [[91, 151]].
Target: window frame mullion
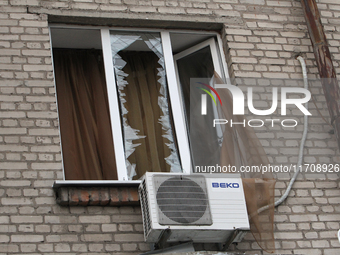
[[175, 100], [116, 125]]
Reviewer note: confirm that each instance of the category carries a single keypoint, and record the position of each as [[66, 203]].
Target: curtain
[[86, 136], [235, 145], [241, 147], [143, 112]]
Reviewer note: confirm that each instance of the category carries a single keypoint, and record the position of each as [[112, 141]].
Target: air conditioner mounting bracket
[[162, 239]]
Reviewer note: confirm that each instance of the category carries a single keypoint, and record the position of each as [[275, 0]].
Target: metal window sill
[[70, 183]]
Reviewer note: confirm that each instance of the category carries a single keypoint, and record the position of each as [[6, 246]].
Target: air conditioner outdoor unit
[[193, 207]]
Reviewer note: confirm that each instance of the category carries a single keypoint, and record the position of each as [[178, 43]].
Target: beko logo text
[[224, 185]]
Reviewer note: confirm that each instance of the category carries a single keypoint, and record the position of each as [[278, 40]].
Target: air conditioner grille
[[143, 194], [182, 200]]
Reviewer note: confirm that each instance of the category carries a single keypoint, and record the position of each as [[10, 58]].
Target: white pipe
[[302, 143], [304, 136]]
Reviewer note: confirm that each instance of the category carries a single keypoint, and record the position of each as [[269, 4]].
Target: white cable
[[302, 143]]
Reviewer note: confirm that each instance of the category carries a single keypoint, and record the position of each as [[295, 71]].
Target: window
[[123, 99]]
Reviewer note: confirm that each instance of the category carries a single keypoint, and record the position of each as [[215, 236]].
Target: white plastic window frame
[[174, 93]]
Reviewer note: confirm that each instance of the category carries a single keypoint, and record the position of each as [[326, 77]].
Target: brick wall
[[262, 38]]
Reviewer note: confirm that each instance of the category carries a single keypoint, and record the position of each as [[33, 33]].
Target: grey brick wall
[[261, 39]]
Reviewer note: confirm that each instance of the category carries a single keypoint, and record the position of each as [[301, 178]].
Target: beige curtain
[[141, 96], [241, 147], [86, 136], [233, 146]]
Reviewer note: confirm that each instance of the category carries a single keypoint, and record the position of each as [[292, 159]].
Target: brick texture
[[261, 39]]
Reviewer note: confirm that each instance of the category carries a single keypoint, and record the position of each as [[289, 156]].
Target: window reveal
[[146, 101]]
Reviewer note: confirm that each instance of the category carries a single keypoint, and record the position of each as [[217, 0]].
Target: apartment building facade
[[256, 39]]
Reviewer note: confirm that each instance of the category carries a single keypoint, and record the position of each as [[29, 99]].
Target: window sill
[[96, 193]]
